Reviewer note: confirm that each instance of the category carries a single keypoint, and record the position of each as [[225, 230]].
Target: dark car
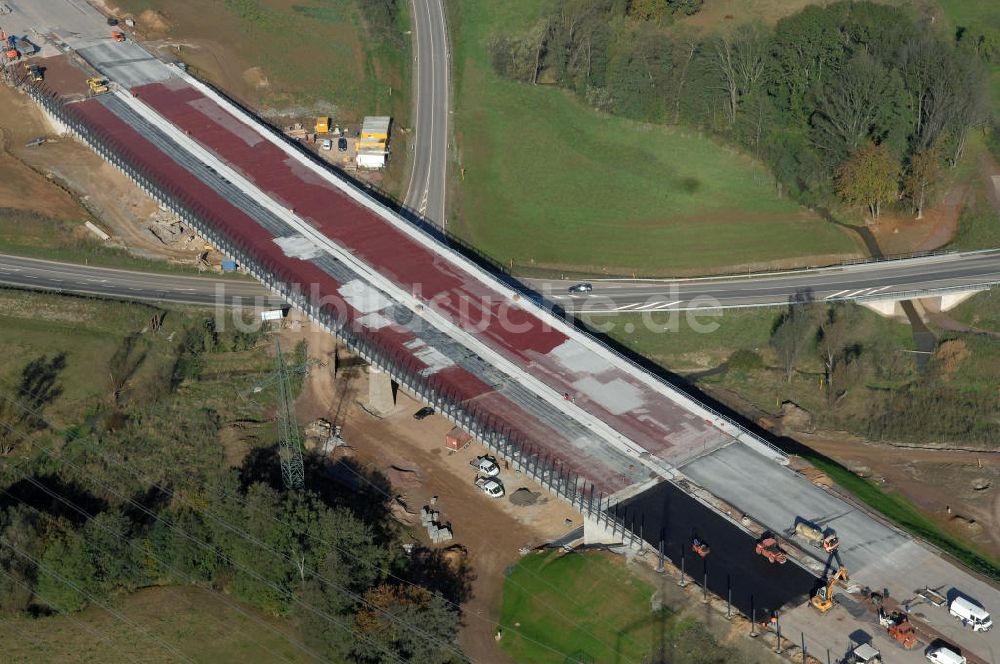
[[342, 144], [581, 288], [426, 411]]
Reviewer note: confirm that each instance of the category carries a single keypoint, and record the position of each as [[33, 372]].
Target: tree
[[740, 60], [20, 530], [106, 539], [854, 105], [408, 622], [870, 177], [923, 174], [835, 347], [791, 336], [67, 578]]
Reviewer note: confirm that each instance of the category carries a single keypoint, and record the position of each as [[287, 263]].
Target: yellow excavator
[[823, 599], [97, 85]]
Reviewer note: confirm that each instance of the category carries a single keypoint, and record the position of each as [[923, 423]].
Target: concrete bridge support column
[[381, 392], [599, 531]]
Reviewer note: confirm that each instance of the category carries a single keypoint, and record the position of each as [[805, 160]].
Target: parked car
[[342, 144], [327, 144], [943, 655], [486, 466], [426, 411], [492, 488], [581, 288]]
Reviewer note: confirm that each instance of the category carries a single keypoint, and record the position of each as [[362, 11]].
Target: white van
[[944, 655], [970, 614]]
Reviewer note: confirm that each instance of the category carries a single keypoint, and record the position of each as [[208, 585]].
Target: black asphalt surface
[[426, 190], [666, 512], [45, 275], [898, 279]]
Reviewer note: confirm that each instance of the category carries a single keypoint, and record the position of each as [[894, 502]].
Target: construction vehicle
[[767, 546], [866, 653], [700, 547], [34, 72], [971, 615], [823, 599], [899, 627], [828, 541], [322, 125], [24, 46], [97, 85], [9, 45], [118, 36]]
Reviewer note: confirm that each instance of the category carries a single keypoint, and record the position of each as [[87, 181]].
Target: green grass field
[[981, 311], [189, 619], [976, 14], [551, 184], [583, 608]]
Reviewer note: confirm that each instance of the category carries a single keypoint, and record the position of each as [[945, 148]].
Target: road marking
[[667, 305], [629, 306], [856, 293], [830, 297], [879, 290]]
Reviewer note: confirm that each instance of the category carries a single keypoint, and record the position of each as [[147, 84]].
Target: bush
[[745, 361]]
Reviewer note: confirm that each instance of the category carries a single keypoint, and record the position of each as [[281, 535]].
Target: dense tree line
[[141, 495], [856, 98]]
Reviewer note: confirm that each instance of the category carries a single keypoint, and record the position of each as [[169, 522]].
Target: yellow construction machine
[[97, 85], [823, 599]]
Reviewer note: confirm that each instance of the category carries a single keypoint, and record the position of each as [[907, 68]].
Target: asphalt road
[[38, 274], [426, 190], [861, 281]]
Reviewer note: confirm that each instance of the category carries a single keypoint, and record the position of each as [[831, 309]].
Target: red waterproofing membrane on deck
[[257, 241], [660, 425]]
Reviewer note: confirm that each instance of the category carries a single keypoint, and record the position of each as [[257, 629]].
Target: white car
[[486, 467], [327, 144], [944, 655], [492, 488]]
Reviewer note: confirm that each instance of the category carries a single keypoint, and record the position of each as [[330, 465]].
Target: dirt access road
[[957, 488], [413, 456]]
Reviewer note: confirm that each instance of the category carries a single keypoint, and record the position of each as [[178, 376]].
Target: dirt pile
[[523, 497], [153, 21], [403, 479], [950, 355], [793, 418]]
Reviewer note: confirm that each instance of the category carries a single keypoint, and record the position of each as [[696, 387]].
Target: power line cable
[[90, 597], [66, 614], [249, 538], [206, 512], [175, 528], [135, 545], [209, 513]]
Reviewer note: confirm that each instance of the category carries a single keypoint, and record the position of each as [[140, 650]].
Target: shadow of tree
[[21, 408], [446, 571], [41, 498]]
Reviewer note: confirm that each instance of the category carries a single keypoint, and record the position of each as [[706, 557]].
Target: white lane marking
[[879, 290], [667, 305], [830, 297], [629, 306], [856, 293]]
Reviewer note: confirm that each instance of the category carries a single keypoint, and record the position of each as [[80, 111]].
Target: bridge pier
[[892, 307], [381, 392]]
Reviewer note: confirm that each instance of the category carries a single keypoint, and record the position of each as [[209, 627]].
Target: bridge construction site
[[645, 463]]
